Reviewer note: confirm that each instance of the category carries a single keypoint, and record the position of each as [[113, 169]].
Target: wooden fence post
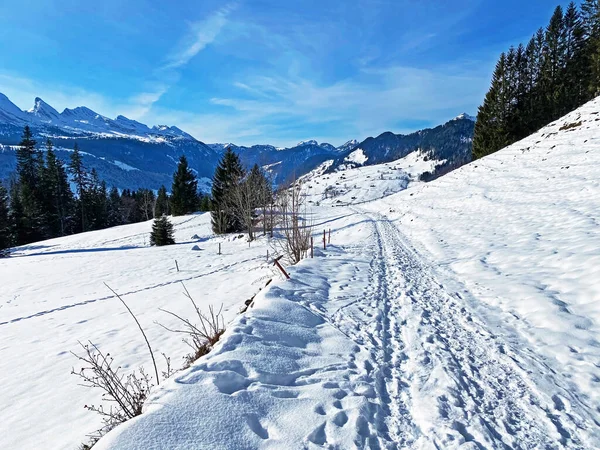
[[312, 247], [324, 241], [177, 265], [329, 239], [219, 248], [279, 266]]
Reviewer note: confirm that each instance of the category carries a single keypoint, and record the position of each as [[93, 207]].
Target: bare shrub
[[200, 337], [126, 394], [295, 229]]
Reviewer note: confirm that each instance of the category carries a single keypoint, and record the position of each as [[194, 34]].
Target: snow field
[[53, 295]]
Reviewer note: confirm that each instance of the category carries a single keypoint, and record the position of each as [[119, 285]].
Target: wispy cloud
[[202, 33], [378, 100]]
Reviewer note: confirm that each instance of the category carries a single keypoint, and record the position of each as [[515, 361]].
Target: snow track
[[442, 379], [366, 347]]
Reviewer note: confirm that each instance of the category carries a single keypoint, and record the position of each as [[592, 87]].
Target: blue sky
[[263, 71]]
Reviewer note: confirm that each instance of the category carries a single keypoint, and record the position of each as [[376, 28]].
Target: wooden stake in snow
[[177, 265], [219, 248], [280, 267], [324, 241], [312, 247], [329, 237]]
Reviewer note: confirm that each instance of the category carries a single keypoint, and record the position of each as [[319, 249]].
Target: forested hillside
[[535, 84]]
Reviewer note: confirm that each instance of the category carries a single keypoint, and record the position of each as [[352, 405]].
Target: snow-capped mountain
[[450, 143], [465, 116], [348, 146], [80, 120], [130, 154]]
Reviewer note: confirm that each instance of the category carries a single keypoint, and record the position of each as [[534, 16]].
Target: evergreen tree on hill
[[5, 226], [17, 217], [80, 178], [27, 160], [32, 219], [558, 71], [184, 191], [161, 207], [114, 209], [162, 232], [58, 198], [228, 175]]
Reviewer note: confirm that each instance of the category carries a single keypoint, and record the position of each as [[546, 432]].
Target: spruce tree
[[5, 226], [80, 178], [576, 73], [114, 209], [558, 71], [33, 222], [490, 127], [20, 231], [58, 198], [590, 15], [162, 232], [554, 61], [161, 207], [184, 191], [228, 175], [27, 160]]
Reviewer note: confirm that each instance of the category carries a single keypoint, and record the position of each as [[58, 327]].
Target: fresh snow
[[122, 165], [465, 116], [53, 296], [461, 313], [357, 156]]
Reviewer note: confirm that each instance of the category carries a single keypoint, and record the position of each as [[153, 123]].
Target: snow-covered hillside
[[456, 314], [352, 186], [53, 295], [461, 313]]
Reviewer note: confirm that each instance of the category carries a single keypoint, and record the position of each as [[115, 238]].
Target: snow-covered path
[[444, 378], [366, 347]]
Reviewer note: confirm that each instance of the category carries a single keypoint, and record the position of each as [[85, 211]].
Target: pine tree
[[27, 160], [80, 178], [162, 232], [5, 226], [490, 127], [20, 232], [576, 78], [33, 223], [114, 209], [184, 191], [228, 175], [590, 18], [58, 198], [554, 62], [161, 207], [558, 71]]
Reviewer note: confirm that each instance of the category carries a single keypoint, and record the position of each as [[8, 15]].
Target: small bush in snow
[[125, 393], [201, 336]]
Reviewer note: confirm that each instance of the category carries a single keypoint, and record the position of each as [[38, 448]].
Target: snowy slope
[[461, 313], [521, 230], [53, 295], [456, 314], [352, 186]]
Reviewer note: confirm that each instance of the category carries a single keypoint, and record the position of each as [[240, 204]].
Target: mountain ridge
[[116, 146]]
